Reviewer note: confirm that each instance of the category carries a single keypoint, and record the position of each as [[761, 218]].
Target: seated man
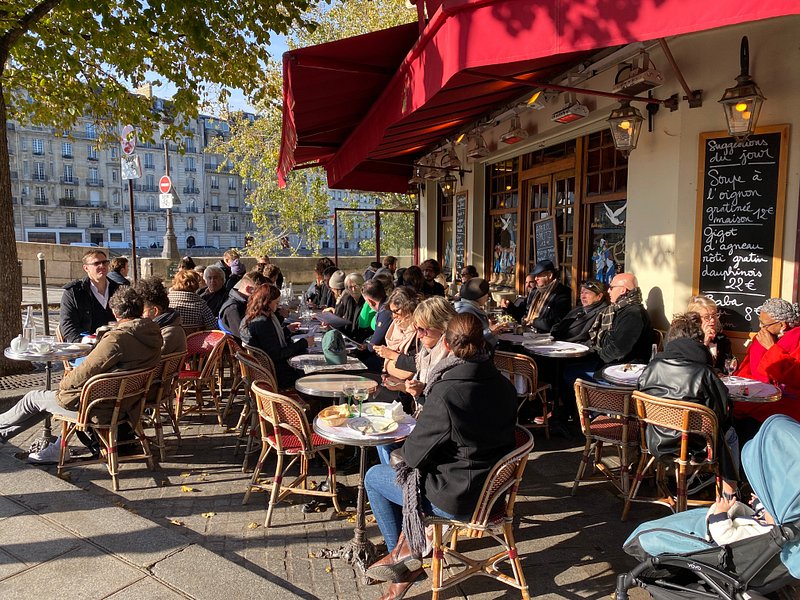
[[214, 293], [134, 344], [430, 270], [84, 303], [156, 307], [232, 312], [684, 371], [549, 301]]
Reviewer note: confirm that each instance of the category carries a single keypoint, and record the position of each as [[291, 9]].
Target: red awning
[[434, 91]]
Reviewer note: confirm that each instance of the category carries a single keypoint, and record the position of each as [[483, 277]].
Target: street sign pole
[[128, 147], [133, 233], [170, 250]]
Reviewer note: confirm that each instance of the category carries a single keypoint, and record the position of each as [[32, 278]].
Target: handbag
[[396, 457]]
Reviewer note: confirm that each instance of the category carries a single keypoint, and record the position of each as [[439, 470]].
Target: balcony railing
[[71, 224], [38, 152], [233, 209], [145, 187], [191, 149], [216, 208], [96, 225], [92, 157], [67, 156], [190, 169], [94, 182], [191, 190], [40, 224], [41, 202], [69, 180], [191, 209], [39, 177], [214, 186]]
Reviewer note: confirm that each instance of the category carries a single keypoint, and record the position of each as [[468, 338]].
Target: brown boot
[[395, 565], [397, 590]]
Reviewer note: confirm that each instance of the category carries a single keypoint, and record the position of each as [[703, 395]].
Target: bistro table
[[332, 385], [59, 351], [359, 550], [557, 349], [622, 375], [316, 363], [742, 389]]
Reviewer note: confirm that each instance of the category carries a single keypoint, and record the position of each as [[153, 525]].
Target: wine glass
[[361, 393], [730, 365], [348, 389]]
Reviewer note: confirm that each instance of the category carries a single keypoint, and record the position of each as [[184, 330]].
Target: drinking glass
[[730, 365], [349, 390], [361, 394]]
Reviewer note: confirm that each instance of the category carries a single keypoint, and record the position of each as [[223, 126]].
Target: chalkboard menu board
[[741, 193], [460, 231], [544, 239]]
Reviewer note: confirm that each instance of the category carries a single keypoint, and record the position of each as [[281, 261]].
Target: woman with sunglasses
[[399, 350], [575, 326], [717, 342], [774, 357]]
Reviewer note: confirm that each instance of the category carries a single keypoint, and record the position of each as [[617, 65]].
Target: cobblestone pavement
[[570, 546]]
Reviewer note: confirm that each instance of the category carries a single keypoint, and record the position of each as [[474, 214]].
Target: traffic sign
[[165, 184], [165, 200], [128, 140], [131, 167]]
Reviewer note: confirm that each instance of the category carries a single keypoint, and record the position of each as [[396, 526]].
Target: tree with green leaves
[[63, 59], [302, 208]]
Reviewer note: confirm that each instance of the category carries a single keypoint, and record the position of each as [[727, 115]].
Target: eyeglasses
[[424, 331], [592, 286], [98, 263], [765, 325], [396, 311], [710, 317]]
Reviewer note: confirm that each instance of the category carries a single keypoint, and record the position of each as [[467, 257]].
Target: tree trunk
[[10, 282]]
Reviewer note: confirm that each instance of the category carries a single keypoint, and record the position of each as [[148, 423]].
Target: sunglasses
[[98, 263], [593, 286], [396, 311]]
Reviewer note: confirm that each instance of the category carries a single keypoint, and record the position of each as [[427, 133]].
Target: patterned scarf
[[540, 299], [428, 360], [605, 319]]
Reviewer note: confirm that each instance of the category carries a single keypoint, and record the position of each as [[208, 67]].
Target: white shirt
[[101, 298]]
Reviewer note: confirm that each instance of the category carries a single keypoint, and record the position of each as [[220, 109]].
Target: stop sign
[[165, 184]]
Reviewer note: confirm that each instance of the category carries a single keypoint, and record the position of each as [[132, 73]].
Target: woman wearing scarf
[[466, 427], [773, 357], [398, 350], [268, 334]]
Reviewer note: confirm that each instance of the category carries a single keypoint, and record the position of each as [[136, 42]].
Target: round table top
[[346, 435], [624, 375], [742, 389], [557, 349], [60, 351], [330, 386]]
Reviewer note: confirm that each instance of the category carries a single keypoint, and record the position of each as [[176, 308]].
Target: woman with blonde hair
[[188, 304], [717, 342]]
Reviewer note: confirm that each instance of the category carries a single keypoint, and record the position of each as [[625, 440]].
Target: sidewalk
[[182, 532]]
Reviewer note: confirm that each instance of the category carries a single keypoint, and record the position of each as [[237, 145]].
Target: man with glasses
[[84, 303], [548, 299]]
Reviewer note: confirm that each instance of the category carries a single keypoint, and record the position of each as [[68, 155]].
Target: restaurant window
[[446, 237], [503, 195], [606, 184]]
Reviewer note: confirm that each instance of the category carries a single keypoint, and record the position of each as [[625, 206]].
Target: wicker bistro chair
[[608, 418], [204, 350], [524, 374], [690, 420], [493, 516], [250, 423], [159, 400], [291, 436], [106, 401], [230, 376]]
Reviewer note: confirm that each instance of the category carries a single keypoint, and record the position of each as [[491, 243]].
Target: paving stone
[[31, 540], [9, 508], [10, 565], [147, 589]]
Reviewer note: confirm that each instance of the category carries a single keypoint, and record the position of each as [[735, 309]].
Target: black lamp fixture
[[626, 125], [742, 102], [448, 185]]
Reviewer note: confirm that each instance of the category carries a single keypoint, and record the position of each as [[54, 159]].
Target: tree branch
[[23, 26]]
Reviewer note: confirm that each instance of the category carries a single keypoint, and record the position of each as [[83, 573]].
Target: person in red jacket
[[773, 357]]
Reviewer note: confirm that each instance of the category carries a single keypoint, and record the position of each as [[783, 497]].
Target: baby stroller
[[678, 562]]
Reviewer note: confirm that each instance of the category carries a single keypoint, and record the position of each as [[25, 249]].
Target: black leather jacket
[[684, 371], [575, 326]]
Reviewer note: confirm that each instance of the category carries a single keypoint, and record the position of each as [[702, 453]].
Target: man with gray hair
[[135, 343], [215, 293]]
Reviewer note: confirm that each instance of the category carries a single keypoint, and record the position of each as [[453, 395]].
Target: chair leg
[[265, 448], [276, 489], [332, 479], [62, 454], [545, 411], [436, 561], [644, 466], [112, 459], [680, 494], [582, 466], [159, 427], [516, 566], [148, 453]]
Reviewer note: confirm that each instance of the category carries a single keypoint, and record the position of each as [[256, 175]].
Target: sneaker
[[699, 481], [540, 419], [48, 456]]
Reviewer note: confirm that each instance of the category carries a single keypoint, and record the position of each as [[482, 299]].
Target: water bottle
[[28, 327]]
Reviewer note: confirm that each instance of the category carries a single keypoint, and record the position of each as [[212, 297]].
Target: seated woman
[[192, 308], [574, 327], [267, 333], [349, 303], [717, 342], [375, 297], [399, 350], [466, 427], [474, 296], [683, 372], [773, 357]]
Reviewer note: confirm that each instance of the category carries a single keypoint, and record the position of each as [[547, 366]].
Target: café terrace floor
[[182, 531]]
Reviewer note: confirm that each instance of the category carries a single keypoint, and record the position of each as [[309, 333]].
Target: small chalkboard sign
[[545, 240], [460, 232], [741, 194]]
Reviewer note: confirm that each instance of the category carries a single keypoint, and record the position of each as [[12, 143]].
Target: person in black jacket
[[548, 301], [232, 312], [684, 371], [466, 426], [268, 334], [575, 326], [84, 303], [717, 342]]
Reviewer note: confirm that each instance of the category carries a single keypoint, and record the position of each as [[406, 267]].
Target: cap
[[542, 267], [474, 289], [337, 280], [333, 348]]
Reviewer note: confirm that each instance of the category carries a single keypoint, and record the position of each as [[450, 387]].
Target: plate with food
[[369, 425], [627, 373]]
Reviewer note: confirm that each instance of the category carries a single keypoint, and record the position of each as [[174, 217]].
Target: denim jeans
[[384, 450], [30, 410], [386, 499]]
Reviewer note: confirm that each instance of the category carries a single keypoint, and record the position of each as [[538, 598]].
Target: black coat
[[81, 312], [348, 308], [684, 371], [556, 308], [232, 313], [466, 427], [575, 326], [264, 336], [215, 300], [432, 289], [630, 338]]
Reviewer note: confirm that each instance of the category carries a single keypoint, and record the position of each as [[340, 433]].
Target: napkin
[[395, 411]]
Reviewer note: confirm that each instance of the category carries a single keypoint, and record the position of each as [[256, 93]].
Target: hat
[[542, 267], [238, 268], [337, 280], [334, 348], [474, 289], [779, 309]]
